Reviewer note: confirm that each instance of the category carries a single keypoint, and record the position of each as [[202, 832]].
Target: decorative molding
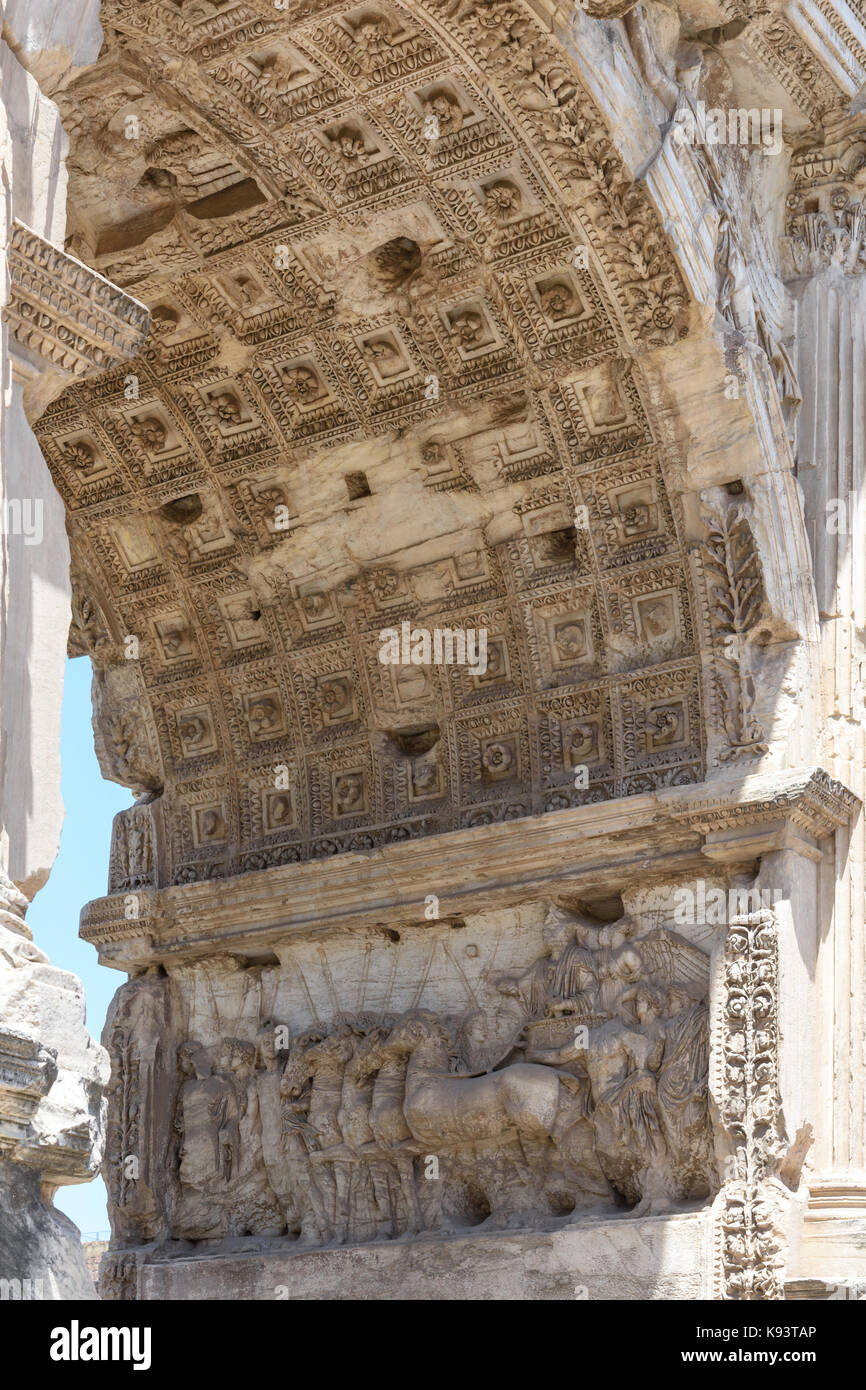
[[27, 1070], [826, 220], [749, 1239], [70, 316], [735, 580], [798, 63], [809, 799], [521, 860]]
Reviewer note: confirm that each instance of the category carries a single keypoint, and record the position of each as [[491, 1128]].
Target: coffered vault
[[400, 283]]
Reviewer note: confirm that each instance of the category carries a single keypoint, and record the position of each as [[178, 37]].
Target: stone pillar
[[826, 256], [60, 322]]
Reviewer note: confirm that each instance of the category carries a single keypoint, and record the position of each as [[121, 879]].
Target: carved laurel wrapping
[[736, 587]]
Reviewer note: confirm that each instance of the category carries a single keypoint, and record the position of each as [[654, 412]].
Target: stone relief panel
[[344, 1096]]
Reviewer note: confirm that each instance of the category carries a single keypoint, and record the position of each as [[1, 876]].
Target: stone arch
[[290, 348]]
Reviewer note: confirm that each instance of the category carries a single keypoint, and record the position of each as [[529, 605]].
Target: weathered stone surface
[[40, 1248], [650, 1258], [59, 320], [470, 567]]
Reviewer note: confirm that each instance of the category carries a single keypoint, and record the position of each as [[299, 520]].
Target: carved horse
[[525, 1101], [369, 1191]]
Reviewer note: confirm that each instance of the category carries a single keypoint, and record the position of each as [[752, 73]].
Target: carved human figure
[[391, 1135], [138, 847], [621, 1064], [314, 1222], [369, 1190], [252, 1207], [563, 980], [137, 1027], [205, 1113], [323, 1063]]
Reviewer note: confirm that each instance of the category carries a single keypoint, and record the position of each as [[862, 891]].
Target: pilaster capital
[[825, 220]]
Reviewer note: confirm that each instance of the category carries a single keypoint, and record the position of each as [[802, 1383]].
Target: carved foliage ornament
[[749, 1243], [825, 219]]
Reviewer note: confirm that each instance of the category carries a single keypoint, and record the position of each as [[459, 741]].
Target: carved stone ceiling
[[273, 481]]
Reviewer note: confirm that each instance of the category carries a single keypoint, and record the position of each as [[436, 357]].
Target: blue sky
[[80, 873]]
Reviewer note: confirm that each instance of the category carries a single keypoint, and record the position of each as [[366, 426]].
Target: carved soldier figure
[[564, 979], [273, 1137], [252, 1207], [205, 1114]]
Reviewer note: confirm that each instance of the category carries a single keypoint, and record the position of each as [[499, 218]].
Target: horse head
[[300, 1066], [369, 1053], [415, 1029]]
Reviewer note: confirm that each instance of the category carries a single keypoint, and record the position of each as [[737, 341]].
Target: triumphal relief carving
[[437, 394], [578, 1084]]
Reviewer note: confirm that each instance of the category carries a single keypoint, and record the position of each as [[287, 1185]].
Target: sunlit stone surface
[[470, 561]]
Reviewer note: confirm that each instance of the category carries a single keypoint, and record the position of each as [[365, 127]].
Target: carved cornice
[[65, 313], [809, 799], [584, 849], [27, 1072], [814, 48]]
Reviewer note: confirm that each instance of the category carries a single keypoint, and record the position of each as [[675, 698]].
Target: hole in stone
[[478, 1202], [123, 236], [257, 960], [165, 316], [413, 743], [357, 486], [608, 909], [396, 261], [723, 33], [391, 934], [182, 511], [227, 201], [157, 178], [735, 488], [812, 205], [256, 614], [560, 545]]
